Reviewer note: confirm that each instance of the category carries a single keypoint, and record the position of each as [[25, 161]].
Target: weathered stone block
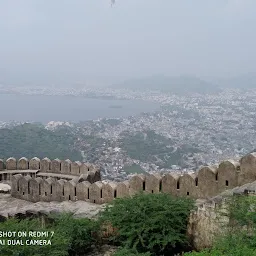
[[56, 165], [34, 190], [22, 164], [11, 164], [122, 189], [227, 175], [34, 163], [70, 190], [188, 185], [82, 190], [109, 191], [45, 165], [248, 169], [170, 183], [1, 164], [84, 168], [75, 167], [24, 188], [58, 190], [207, 181], [153, 183], [66, 167], [47, 190], [15, 191], [93, 176], [95, 193], [137, 184], [83, 177], [40, 187]]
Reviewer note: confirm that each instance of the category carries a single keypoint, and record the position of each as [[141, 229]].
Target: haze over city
[[94, 43], [152, 102]]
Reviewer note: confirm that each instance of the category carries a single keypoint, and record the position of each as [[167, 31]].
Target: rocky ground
[[10, 206], [5, 188]]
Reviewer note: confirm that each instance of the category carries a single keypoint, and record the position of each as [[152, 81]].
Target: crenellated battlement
[[47, 165], [46, 168], [56, 180]]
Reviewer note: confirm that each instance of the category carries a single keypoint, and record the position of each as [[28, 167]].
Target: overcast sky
[[87, 40]]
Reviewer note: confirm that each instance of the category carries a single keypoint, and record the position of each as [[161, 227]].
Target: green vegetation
[[144, 225], [133, 169], [240, 238], [90, 145], [154, 223], [71, 237], [147, 146], [33, 140], [130, 252]]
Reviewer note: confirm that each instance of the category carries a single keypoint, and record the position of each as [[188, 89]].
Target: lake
[[43, 108]]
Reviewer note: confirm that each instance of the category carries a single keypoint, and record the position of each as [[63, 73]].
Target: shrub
[[79, 233], [227, 251], [130, 252], [154, 223], [71, 236], [59, 242]]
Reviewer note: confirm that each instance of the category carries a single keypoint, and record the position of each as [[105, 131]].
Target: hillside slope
[[32, 140]]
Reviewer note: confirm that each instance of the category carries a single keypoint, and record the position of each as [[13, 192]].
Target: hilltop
[[245, 81], [174, 84]]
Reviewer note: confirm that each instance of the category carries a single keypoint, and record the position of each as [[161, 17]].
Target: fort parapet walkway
[[45, 168], [56, 180]]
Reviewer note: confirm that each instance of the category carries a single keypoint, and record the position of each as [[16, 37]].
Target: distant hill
[[176, 85], [246, 81]]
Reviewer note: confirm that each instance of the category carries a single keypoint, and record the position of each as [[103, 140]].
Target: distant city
[[187, 132]]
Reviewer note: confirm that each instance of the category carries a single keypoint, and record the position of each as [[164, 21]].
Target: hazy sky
[[87, 40]]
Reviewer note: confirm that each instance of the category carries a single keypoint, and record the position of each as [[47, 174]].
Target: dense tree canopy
[[32, 140], [154, 223]]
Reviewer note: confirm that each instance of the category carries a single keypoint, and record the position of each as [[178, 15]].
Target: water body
[[42, 108]]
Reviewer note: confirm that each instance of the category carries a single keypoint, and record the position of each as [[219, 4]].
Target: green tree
[[154, 223], [130, 252], [71, 237], [58, 247], [79, 231]]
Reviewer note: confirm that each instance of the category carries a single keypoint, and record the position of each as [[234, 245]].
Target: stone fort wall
[[46, 166], [205, 183]]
